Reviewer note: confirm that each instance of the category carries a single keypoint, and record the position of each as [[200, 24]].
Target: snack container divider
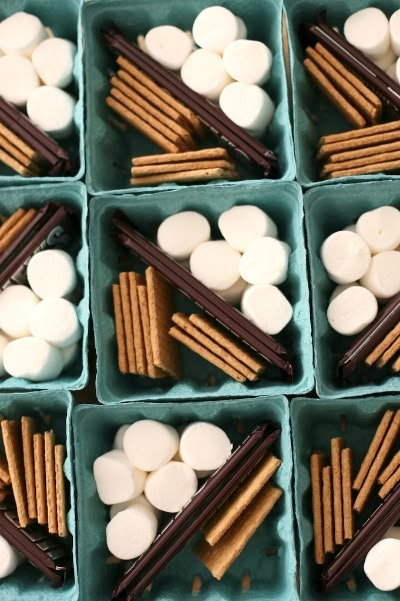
[[313, 114], [27, 584], [109, 144], [64, 18], [72, 195]]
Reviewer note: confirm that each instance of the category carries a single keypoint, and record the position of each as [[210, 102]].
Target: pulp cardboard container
[[110, 147], [329, 209], [283, 202], [71, 195], [63, 18], [271, 576]]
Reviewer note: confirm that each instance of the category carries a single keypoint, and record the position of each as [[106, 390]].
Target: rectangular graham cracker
[[373, 449], [327, 509], [161, 308], [316, 466], [4, 471], [390, 469], [153, 371], [9, 223], [336, 450], [120, 330], [194, 175], [390, 484], [327, 149], [347, 136], [51, 493], [135, 279], [17, 228], [59, 458], [149, 170], [205, 154], [347, 475], [383, 346], [15, 165], [13, 151], [370, 161], [350, 155], [124, 287], [18, 143], [28, 427], [11, 431], [221, 556], [40, 478], [391, 352]]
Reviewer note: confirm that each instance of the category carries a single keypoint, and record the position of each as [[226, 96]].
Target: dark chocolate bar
[[194, 515], [225, 314], [47, 553]]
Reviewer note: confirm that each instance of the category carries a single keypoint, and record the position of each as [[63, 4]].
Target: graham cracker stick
[[127, 319], [28, 427], [119, 330], [383, 346], [196, 175], [316, 466], [15, 152], [347, 475], [327, 509], [336, 450], [15, 165], [375, 140], [232, 509], [221, 556], [377, 168], [390, 484], [153, 370], [374, 161], [396, 365], [141, 364], [11, 221], [12, 233], [59, 458], [177, 167], [349, 155], [373, 449], [378, 463], [353, 134], [51, 492], [176, 157], [11, 431], [40, 478], [20, 144], [390, 469], [4, 471], [389, 353]]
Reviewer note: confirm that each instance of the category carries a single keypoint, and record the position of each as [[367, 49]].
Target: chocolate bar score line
[[225, 314], [188, 522]]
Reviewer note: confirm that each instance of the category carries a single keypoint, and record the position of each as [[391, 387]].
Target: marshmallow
[[33, 359], [171, 487], [10, 559], [215, 27], [204, 446], [242, 224], [16, 306], [179, 234], [265, 261], [341, 288], [55, 320], [394, 27], [383, 275], [52, 110], [247, 105], [381, 565], [52, 273], [204, 72], [4, 340], [18, 79], [53, 60], [266, 307], [233, 294], [242, 35], [119, 437], [248, 61], [392, 70], [168, 45], [131, 532], [345, 256], [385, 60], [69, 354], [368, 30], [21, 33], [140, 500], [150, 444], [380, 229], [352, 310], [215, 264], [117, 480]]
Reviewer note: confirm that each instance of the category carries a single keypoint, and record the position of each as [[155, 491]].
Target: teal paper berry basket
[[282, 202], [110, 147], [63, 18], [72, 195], [272, 576], [27, 583]]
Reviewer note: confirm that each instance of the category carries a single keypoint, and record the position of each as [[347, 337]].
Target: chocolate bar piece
[[194, 515], [45, 552], [225, 314]]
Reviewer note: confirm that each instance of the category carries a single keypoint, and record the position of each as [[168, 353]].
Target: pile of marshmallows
[[152, 469], [225, 68], [245, 268], [364, 259], [34, 67], [39, 328], [377, 37]]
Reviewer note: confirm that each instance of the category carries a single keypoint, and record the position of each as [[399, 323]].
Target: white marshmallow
[[352, 310], [380, 228], [233, 294], [171, 487], [215, 27], [21, 33], [119, 437], [386, 60], [381, 565], [204, 72], [10, 559], [242, 35], [392, 71], [33, 359], [179, 234], [247, 105], [56, 320], [131, 532], [266, 307], [168, 45], [117, 480], [265, 261], [18, 79], [140, 500], [52, 110], [69, 354], [215, 264], [368, 30], [394, 26], [150, 444], [345, 256], [53, 60], [341, 288], [16, 306], [204, 446], [248, 61], [242, 224], [52, 274], [383, 275], [4, 340]]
